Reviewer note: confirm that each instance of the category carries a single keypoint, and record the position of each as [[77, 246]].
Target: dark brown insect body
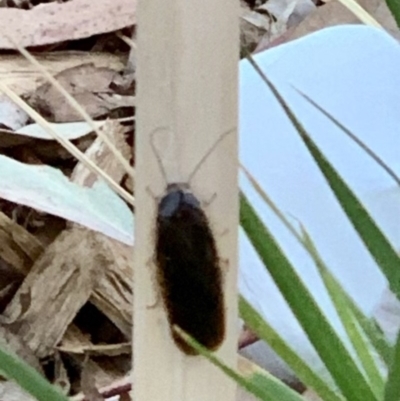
[[188, 270]]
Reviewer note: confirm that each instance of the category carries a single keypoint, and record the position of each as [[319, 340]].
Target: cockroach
[[188, 266]]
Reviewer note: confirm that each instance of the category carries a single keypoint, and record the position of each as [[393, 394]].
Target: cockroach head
[[177, 187], [177, 197]]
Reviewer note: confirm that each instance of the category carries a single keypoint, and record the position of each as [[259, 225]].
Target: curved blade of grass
[[354, 137], [369, 326], [374, 240], [329, 346], [361, 346], [258, 382], [373, 332], [364, 352], [28, 378], [339, 297], [392, 388], [266, 332], [394, 7]]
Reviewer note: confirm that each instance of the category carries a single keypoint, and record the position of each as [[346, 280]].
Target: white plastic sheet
[[352, 72]]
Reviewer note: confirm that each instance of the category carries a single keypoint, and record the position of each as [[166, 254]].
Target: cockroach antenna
[[198, 164], [208, 153], [156, 154]]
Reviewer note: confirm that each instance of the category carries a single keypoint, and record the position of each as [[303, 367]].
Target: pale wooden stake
[[187, 92]]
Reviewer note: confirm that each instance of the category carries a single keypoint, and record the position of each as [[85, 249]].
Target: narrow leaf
[[374, 240], [354, 137], [260, 383], [349, 322], [369, 326], [373, 332], [394, 7], [266, 332], [326, 342], [392, 388], [28, 378]]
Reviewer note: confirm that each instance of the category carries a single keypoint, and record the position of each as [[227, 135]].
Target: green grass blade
[[374, 333], [392, 388], [394, 7], [305, 374], [354, 137], [361, 346], [363, 349], [374, 240], [260, 383], [369, 326], [328, 345], [28, 378]]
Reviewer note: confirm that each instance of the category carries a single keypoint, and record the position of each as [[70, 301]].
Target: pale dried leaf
[[11, 116], [29, 133], [19, 75], [291, 12], [250, 36], [302, 10], [94, 94], [68, 131], [271, 21], [47, 189], [254, 27], [58, 22], [261, 21], [334, 13], [98, 349]]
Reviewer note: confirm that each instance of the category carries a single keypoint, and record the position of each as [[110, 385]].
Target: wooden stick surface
[[187, 99]]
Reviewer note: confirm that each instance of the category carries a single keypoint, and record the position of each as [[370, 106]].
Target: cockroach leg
[[150, 264], [155, 303], [224, 264], [206, 204]]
